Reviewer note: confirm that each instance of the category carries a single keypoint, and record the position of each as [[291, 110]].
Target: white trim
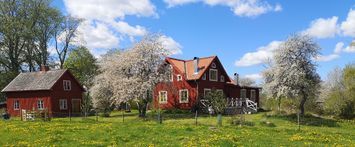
[[241, 91], [211, 75], [213, 65], [220, 90], [18, 105], [204, 91], [178, 77], [40, 104], [65, 102], [187, 94], [160, 97], [66, 85]]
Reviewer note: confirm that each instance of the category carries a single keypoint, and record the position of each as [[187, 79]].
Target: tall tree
[[293, 73], [64, 37], [246, 82], [132, 74]]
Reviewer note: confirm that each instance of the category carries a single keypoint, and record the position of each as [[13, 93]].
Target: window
[[213, 65], [67, 85], [63, 105], [40, 105], [243, 93], [220, 91], [16, 105], [184, 96], [222, 78], [179, 78], [163, 97], [206, 91], [213, 75], [252, 95], [204, 76]]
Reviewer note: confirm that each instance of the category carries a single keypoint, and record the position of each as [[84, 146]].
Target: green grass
[[265, 130]]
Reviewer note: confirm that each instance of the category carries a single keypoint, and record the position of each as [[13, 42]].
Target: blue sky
[[242, 33]]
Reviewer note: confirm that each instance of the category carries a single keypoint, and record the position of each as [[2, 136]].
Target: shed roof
[[34, 81]]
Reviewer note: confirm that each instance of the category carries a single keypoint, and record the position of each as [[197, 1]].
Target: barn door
[[75, 105]]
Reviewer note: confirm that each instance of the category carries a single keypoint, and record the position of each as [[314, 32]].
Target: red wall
[[28, 99]]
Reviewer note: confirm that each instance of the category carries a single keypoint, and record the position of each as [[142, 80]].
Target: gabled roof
[[187, 66], [34, 81]]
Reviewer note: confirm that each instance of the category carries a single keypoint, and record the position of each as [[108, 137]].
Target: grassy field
[[259, 130]]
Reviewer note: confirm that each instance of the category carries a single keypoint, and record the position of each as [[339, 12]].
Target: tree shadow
[[308, 120]]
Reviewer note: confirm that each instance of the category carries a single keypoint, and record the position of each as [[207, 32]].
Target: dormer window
[[213, 65], [179, 78], [67, 85], [222, 78], [213, 75]]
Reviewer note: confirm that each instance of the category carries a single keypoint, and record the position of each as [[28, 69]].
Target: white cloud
[[338, 47], [104, 24], [244, 8], [109, 9], [254, 77], [97, 36], [170, 44], [348, 26], [323, 28], [350, 49], [321, 58], [260, 56]]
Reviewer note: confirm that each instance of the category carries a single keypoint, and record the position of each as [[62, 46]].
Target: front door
[[75, 105]]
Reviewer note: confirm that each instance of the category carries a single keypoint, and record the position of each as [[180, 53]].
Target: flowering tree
[[293, 72], [133, 73]]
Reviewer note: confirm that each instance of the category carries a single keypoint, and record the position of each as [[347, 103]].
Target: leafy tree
[[133, 73], [218, 102], [247, 82], [293, 73], [83, 65]]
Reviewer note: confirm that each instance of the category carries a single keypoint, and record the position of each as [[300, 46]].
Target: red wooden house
[[192, 79], [56, 91]]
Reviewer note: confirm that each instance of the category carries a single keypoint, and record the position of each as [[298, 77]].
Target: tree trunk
[[303, 101], [142, 108]]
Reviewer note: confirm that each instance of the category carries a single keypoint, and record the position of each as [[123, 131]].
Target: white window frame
[[253, 94], [204, 76], [204, 91], [66, 85], [213, 65], [40, 104], [210, 75], [222, 78], [172, 73], [160, 97], [17, 105], [241, 93], [63, 104], [187, 95], [178, 77], [220, 90]]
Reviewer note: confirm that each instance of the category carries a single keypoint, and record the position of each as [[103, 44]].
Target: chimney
[[236, 78], [44, 68], [196, 60]]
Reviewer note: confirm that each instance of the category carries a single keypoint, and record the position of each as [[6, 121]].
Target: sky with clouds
[[242, 33]]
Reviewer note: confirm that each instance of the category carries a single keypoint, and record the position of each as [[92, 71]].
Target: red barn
[[56, 91], [192, 79]]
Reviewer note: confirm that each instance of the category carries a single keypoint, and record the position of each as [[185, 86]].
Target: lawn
[[260, 130]]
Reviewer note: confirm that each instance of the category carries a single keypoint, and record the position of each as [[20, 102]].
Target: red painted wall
[[28, 99]]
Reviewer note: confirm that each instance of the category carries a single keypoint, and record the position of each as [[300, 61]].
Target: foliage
[[217, 100], [293, 72], [338, 95], [247, 82], [5, 78], [174, 132], [133, 73], [83, 65]]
